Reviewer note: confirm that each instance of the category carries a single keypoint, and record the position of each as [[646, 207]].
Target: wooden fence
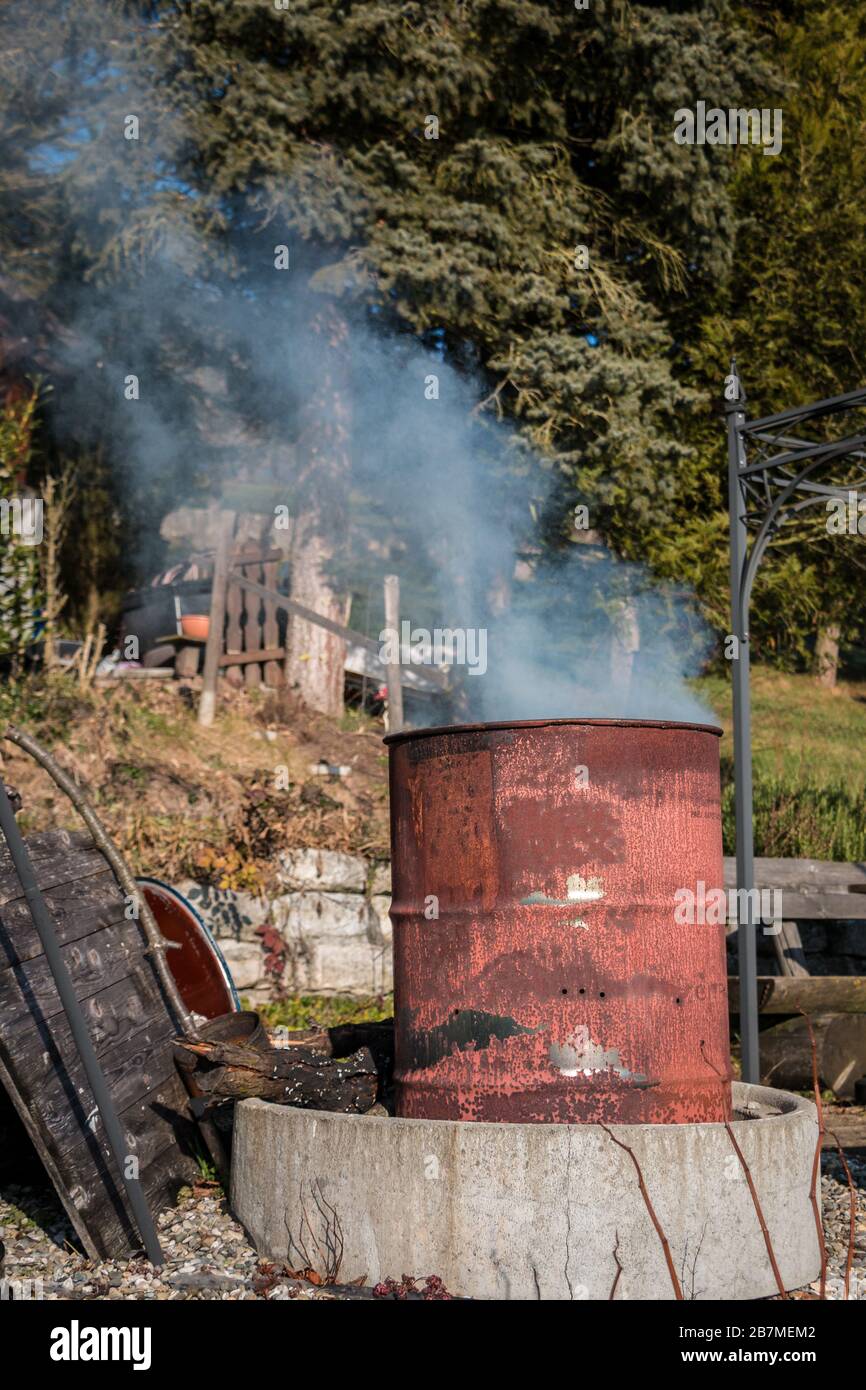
[[244, 629], [252, 650]]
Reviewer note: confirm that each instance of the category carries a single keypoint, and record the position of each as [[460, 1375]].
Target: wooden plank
[[42, 1048], [149, 1121], [249, 553], [102, 959], [264, 654], [787, 994], [430, 673], [234, 633], [788, 945], [131, 1028], [272, 669], [78, 908], [214, 647], [813, 890], [824, 907], [58, 856], [840, 1053], [252, 622], [160, 1181], [36, 1135]]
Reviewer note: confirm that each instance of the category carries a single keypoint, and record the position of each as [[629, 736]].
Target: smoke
[[208, 367]]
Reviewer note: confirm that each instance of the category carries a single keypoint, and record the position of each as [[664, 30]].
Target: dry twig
[[678, 1293], [754, 1193], [612, 1295], [57, 495], [852, 1214], [816, 1161]]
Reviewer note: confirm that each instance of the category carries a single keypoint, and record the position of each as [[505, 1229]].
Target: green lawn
[[800, 731], [809, 747]]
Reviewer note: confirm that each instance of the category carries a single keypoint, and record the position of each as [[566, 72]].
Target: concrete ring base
[[514, 1211]]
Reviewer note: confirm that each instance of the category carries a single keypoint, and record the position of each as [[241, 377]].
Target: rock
[[321, 915], [336, 943], [381, 906], [323, 869], [380, 880], [227, 914], [245, 961], [199, 1280]]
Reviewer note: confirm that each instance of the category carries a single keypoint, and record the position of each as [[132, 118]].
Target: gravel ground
[[207, 1254], [835, 1208], [209, 1257]]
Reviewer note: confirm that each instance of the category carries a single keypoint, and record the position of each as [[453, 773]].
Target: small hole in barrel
[[563, 991], [601, 994], [678, 1000], [581, 991]]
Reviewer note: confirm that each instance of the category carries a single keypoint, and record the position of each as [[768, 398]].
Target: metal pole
[[747, 922], [101, 1094], [392, 622]]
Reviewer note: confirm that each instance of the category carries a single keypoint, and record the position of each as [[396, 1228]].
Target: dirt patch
[[213, 804]]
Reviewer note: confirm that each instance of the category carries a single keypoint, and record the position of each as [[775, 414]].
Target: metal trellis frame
[[770, 468]]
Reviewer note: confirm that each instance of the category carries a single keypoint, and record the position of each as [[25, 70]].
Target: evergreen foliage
[[554, 131]]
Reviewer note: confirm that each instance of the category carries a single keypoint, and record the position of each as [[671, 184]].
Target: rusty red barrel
[[550, 964]]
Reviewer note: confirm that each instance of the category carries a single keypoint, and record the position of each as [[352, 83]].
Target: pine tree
[[794, 309], [499, 176]]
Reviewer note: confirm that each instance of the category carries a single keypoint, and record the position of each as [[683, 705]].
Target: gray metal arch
[[764, 493]]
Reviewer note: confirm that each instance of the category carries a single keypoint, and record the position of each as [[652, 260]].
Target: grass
[[809, 756], [183, 801], [324, 1011], [801, 732]]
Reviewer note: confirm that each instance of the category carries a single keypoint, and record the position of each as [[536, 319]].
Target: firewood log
[[298, 1076]]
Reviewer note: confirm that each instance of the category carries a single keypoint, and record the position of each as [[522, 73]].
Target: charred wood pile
[[347, 1069]]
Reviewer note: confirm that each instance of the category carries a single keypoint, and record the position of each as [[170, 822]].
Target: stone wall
[[328, 933]]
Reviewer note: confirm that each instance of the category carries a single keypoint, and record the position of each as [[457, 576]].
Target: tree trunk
[[316, 659], [827, 654]]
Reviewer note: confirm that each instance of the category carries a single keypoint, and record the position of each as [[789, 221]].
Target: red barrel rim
[[439, 729]]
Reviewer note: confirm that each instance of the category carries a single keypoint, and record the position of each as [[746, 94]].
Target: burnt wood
[[297, 1075], [131, 1028]]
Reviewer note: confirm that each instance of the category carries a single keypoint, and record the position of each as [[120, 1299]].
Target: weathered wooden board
[[840, 1053], [131, 1028], [788, 994], [812, 889]]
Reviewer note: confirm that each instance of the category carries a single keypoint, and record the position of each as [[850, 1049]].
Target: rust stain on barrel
[[539, 972]]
